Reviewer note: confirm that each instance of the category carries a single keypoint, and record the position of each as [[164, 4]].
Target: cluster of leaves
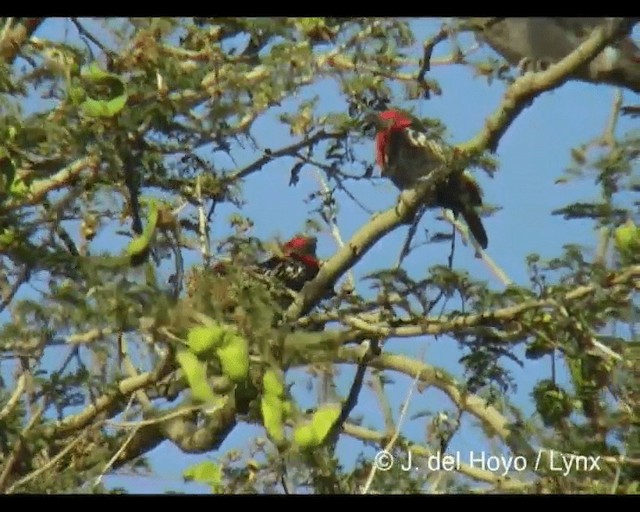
[[108, 188]]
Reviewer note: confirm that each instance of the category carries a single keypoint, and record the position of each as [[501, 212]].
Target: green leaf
[[150, 275], [273, 417], [7, 237], [206, 472], [627, 241], [106, 108], [196, 373], [272, 384], [100, 108], [323, 419], [234, 357], [139, 246], [77, 94], [305, 437], [18, 188], [203, 339]]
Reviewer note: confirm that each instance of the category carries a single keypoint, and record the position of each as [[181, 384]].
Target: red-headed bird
[[405, 155], [227, 283], [296, 265]]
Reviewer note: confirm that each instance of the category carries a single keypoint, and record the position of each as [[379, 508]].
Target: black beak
[[371, 121]]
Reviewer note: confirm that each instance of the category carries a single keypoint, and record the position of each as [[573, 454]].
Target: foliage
[[121, 147]]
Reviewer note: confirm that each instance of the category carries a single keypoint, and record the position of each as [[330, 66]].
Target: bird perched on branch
[[405, 154], [297, 264], [294, 264], [533, 44], [245, 283]]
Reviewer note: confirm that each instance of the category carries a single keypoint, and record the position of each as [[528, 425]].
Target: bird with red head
[[297, 265], [294, 266], [405, 154]]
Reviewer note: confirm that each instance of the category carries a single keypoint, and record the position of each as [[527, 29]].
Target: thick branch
[[183, 434], [107, 402], [525, 89], [516, 98], [374, 230], [14, 37], [491, 418], [39, 188]]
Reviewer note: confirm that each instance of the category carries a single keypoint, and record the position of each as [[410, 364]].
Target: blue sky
[[532, 155]]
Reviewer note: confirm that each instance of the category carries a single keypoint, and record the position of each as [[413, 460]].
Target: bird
[[275, 280], [535, 43], [406, 154], [297, 265], [294, 264]]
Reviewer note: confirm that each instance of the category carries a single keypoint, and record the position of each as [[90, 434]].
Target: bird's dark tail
[[475, 226]]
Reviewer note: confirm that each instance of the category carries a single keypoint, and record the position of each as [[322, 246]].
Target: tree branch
[[14, 37], [380, 225], [491, 418], [291, 150], [39, 188], [107, 402], [501, 315], [526, 88]]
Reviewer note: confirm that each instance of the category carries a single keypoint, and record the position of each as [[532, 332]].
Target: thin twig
[[528, 87], [387, 413], [335, 230], [604, 237], [203, 230], [291, 150], [118, 453], [517, 97], [491, 265], [48, 465], [339, 177], [616, 480], [461, 323], [123, 388], [142, 397], [608, 136], [425, 66], [406, 247], [85, 33], [15, 397], [155, 421], [351, 401], [396, 434], [20, 280], [17, 447]]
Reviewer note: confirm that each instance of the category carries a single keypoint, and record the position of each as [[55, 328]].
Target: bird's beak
[[312, 245], [371, 121]]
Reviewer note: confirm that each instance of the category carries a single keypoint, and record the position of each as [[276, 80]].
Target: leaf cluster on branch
[[130, 153]]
